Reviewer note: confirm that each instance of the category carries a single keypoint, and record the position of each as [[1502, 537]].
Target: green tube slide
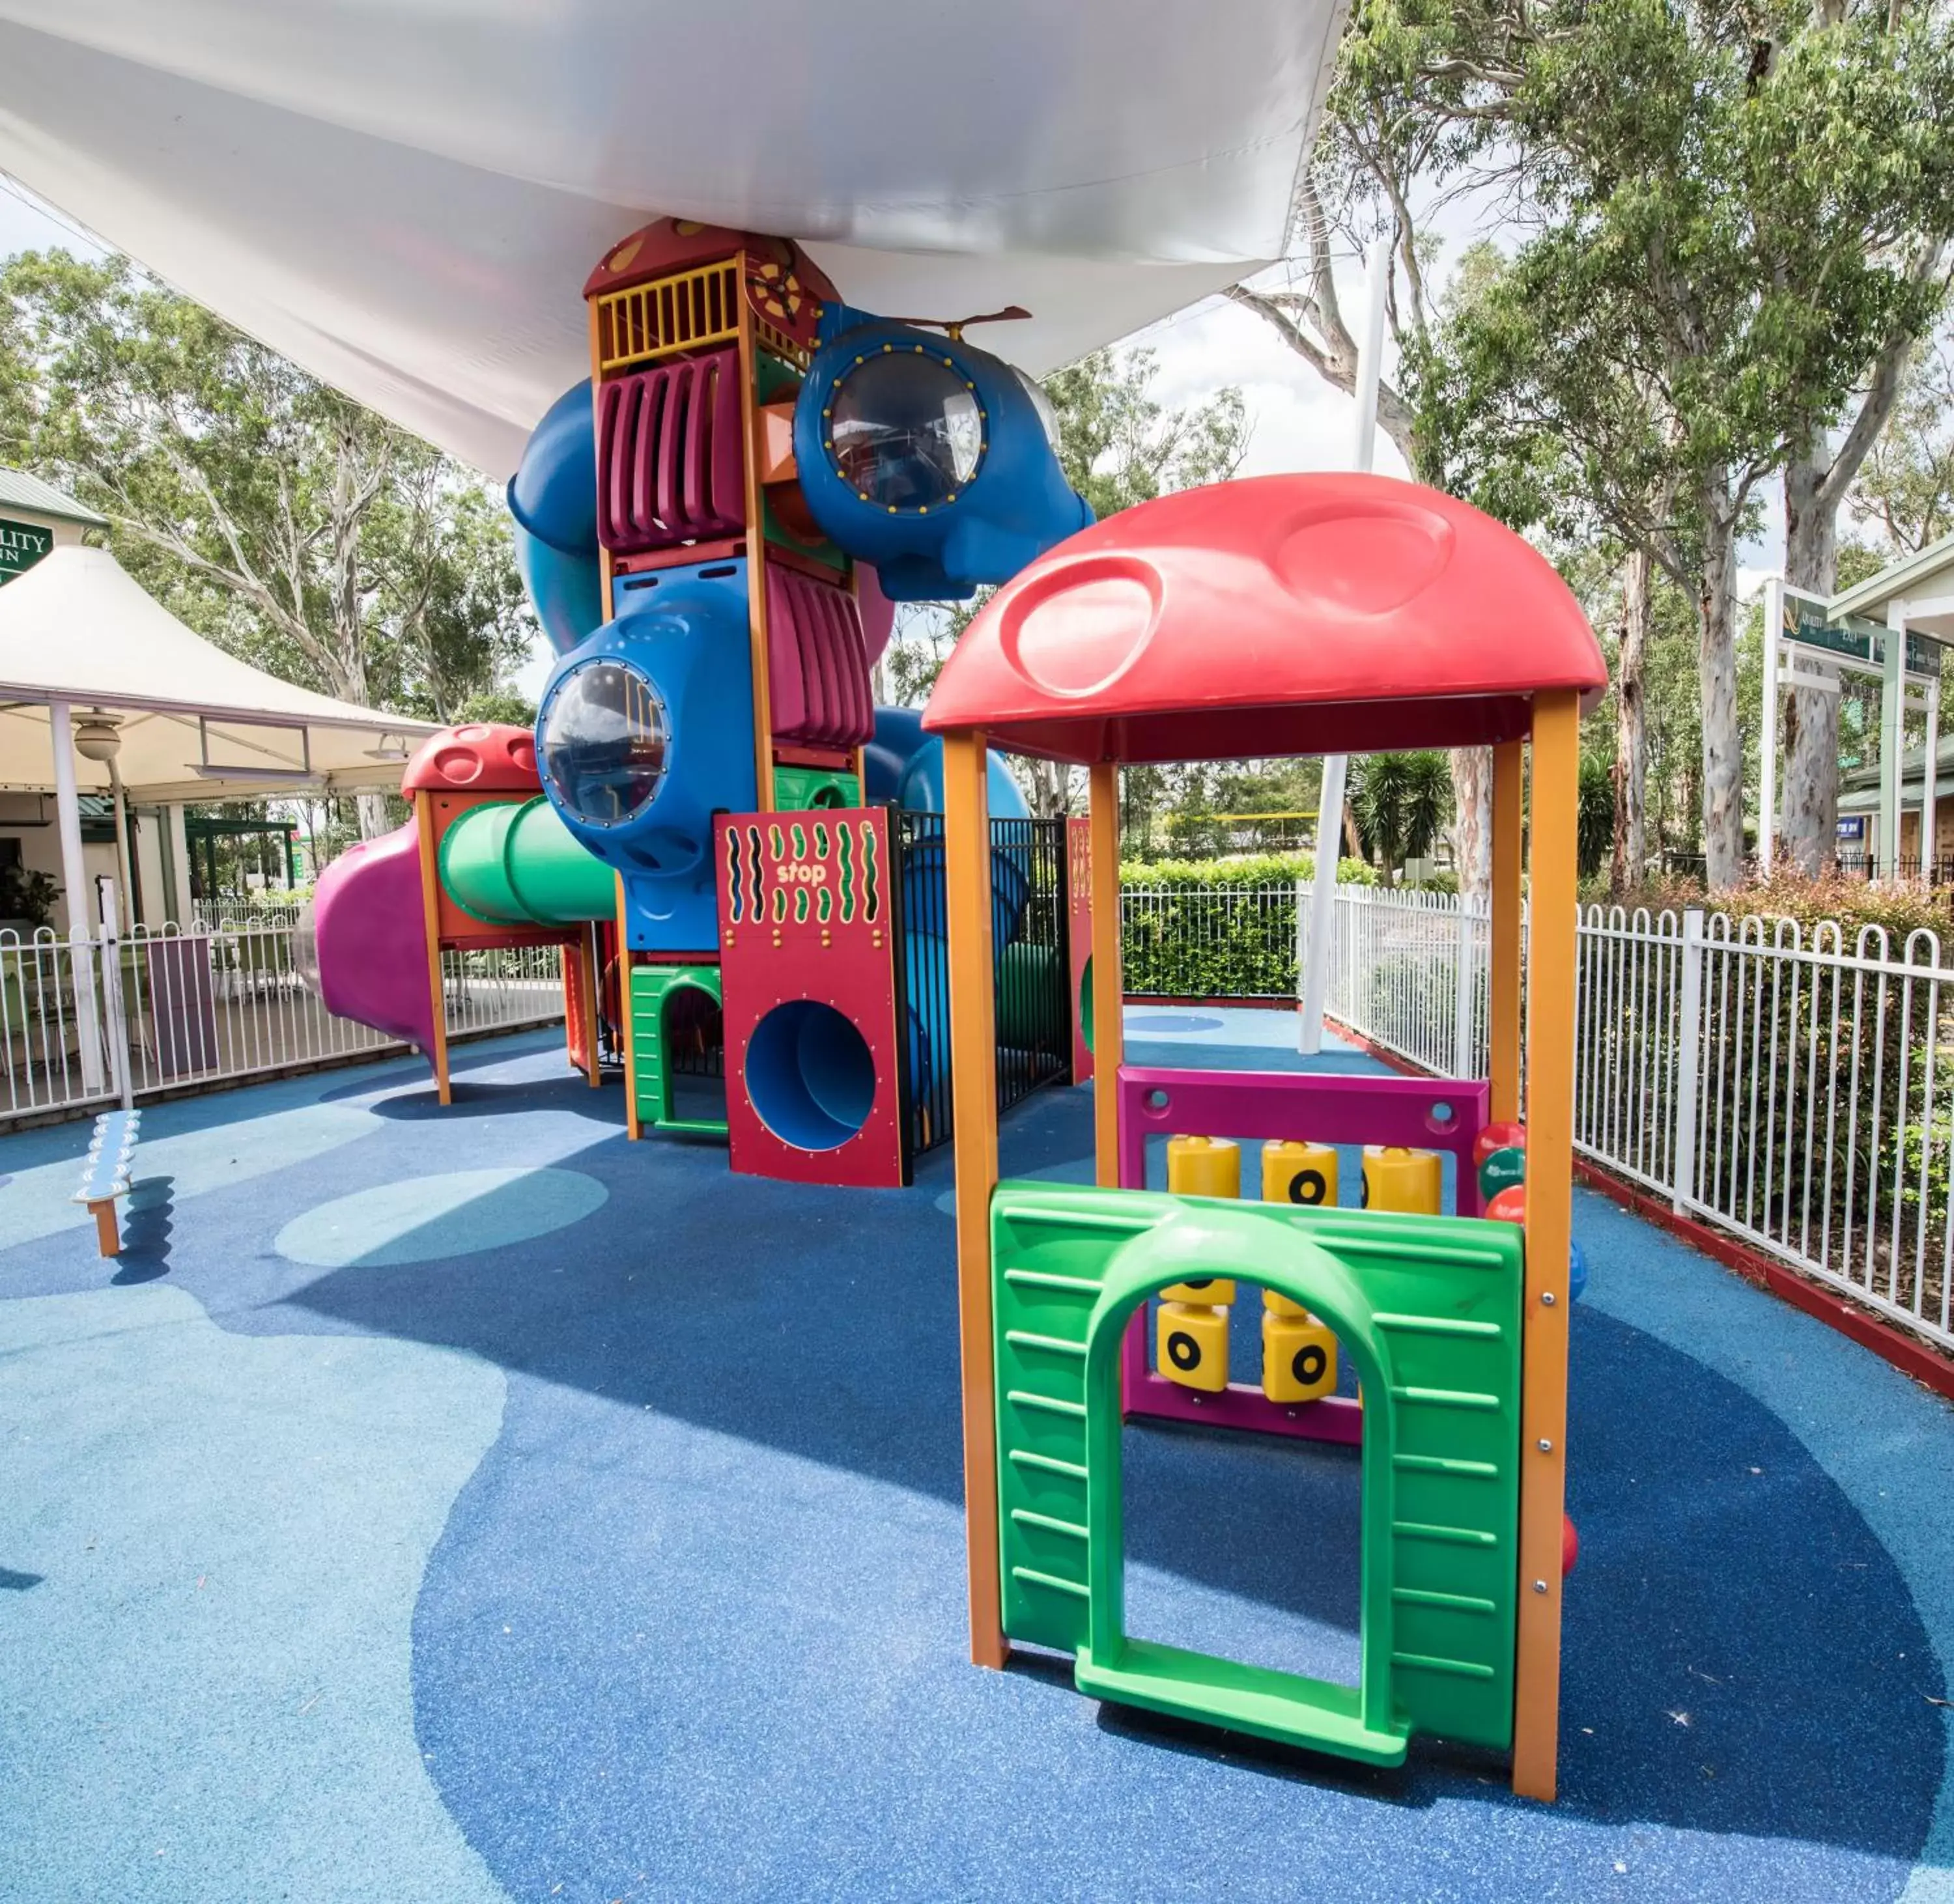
[[514, 864]]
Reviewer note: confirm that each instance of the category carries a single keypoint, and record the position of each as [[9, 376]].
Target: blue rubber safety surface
[[465, 1504]]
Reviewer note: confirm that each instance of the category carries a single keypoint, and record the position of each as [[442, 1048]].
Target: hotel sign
[[22, 545]]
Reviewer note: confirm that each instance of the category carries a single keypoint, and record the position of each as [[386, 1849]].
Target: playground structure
[[1360, 613], [740, 856]]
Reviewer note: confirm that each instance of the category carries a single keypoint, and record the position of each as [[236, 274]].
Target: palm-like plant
[[1400, 803]]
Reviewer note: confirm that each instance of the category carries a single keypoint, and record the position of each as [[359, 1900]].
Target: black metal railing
[[1030, 969]]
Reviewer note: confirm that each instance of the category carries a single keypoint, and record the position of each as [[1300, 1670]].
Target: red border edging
[[1911, 1358]]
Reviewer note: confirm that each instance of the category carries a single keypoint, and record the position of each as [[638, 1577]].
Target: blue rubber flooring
[[470, 1505]]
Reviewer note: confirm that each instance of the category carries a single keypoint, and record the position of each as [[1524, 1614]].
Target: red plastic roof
[[483, 758], [1273, 615]]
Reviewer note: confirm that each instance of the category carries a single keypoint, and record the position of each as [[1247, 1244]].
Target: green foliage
[[1594, 831], [1400, 803], [274, 515], [27, 894], [501, 705], [1907, 482], [1216, 929]]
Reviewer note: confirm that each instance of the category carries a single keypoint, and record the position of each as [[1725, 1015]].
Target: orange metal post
[[973, 1077], [1550, 1210], [1504, 1014], [634, 1129], [431, 912], [756, 557], [1108, 996], [592, 979]]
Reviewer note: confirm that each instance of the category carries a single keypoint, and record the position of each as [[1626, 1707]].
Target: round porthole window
[[606, 742], [904, 430]]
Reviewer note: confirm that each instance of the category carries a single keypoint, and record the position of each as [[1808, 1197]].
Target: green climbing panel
[[799, 789], [1427, 1309], [652, 986]]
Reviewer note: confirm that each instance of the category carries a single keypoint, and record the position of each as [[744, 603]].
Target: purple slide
[[369, 959]]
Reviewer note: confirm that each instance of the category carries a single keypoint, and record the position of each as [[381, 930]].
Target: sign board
[[1854, 637], [1852, 826], [22, 545]]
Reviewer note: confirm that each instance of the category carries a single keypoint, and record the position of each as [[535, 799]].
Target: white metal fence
[[1781, 1084], [208, 1007]]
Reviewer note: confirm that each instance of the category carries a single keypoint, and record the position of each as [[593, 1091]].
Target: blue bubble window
[[905, 430], [606, 742]]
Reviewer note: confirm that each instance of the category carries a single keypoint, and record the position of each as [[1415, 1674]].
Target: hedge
[[1216, 928]]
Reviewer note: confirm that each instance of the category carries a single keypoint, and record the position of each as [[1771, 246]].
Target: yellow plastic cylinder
[[1410, 1182], [1192, 1346], [1203, 1167], [1299, 1173], [1298, 1358]]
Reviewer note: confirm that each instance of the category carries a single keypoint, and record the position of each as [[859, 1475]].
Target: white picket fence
[[208, 1007], [1785, 1086]]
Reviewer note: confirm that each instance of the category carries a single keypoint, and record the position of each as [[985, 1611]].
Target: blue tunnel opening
[[810, 1075]]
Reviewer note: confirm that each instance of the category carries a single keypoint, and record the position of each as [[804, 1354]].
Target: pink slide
[[369, 937]]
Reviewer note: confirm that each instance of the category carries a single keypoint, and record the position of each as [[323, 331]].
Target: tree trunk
[[1716, 671], [1810, 823], [1473, 822], [372, 807], [1631, 733]]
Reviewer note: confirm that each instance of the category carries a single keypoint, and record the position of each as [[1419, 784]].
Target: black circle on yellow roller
[[1183, 1351], [1307, 1187], [1309, 1363], [1196, 1282], [1365, 1204]]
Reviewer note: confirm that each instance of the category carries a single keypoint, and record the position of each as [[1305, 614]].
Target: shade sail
[[406, 198], [197, 723]]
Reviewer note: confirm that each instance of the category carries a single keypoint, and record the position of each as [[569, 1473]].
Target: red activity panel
[[808, 960]]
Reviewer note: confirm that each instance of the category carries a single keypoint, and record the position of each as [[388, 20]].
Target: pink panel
[[670, 461], [817, 670], [1323, 1108]]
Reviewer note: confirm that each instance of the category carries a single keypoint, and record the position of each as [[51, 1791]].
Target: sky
[[1299, 421]]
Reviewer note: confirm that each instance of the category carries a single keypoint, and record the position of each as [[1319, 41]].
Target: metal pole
[[74, 878], [1768, 746], [125, 879], [1930, 842], [1330, 806], [111, 998], [1688, 1064]]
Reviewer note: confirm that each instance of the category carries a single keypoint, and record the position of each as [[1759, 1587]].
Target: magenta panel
[[818, 669], [1425, 1113], [670, 468]]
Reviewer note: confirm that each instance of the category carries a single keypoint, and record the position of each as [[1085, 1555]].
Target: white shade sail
[[195, 723], [406, 198]]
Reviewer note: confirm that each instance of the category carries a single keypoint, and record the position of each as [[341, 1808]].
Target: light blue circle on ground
[[1143, 1022], [424, 1218]]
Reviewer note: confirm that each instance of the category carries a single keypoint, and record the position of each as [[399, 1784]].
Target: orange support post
[[973, 1077], [431, 912], [1108, 995], [1549, 1212], [634, 1129], [590, 975], [1503, 1004]]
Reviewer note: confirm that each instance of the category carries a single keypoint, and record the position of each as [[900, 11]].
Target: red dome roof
[[1274, 615], [485, 756]]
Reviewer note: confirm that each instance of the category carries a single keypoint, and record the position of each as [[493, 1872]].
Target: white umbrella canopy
[[195, 723], [406, 198]]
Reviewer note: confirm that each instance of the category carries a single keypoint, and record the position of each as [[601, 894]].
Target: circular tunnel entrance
[[810, 1075]]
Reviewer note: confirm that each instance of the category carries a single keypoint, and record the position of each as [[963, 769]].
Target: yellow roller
[[1410, 1182]]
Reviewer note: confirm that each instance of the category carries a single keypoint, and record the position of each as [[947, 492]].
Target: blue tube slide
[[553, 500]]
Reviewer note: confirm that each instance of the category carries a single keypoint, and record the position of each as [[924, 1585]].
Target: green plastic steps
[[1429, 1309], [1283, 1706], [651, 985]]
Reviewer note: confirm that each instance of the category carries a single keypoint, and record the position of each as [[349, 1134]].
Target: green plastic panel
[[1428, 1310], [799, 789], [515, 863], [651, 986]]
